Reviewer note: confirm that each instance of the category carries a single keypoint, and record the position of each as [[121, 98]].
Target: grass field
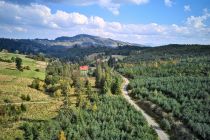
[[10, 69], [14, 84]]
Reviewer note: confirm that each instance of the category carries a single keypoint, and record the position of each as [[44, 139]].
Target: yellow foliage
[[94, 108], [62, 136], [58, 93], [41, 86]]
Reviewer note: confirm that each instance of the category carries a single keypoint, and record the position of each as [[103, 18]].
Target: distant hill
[[170, 51], [79, 46], [70, 48], [85, 40]]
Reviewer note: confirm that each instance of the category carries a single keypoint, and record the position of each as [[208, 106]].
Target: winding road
[[161, 134]]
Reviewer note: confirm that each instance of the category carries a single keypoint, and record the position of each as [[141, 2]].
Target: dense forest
[[179, 83], [101, 114], [108, 121], [170, 51]]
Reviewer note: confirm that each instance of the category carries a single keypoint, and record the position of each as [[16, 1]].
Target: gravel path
[[161, 134], [38, 102]]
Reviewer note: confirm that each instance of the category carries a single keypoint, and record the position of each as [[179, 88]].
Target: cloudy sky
[[139, 21]]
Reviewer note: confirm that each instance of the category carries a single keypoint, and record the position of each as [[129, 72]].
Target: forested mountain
[[69, 48], [84, 40], [170, 51]]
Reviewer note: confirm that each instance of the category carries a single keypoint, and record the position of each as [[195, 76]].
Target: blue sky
[[139, 21]]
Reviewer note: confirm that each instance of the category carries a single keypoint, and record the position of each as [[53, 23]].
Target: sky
[[149, 22]]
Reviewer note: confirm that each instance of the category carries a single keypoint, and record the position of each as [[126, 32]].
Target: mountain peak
[[86, 40], [79, 36]]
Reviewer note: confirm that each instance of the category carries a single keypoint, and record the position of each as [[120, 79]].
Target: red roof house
[[83, 68]]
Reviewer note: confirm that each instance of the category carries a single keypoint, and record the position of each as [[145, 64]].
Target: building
[[84, 70]]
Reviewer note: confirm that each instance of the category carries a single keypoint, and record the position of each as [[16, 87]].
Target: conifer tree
[[98, 75], [18, 62]]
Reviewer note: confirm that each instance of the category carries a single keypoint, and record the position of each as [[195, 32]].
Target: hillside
[[172, 83], [84, 40], [69, 48], [169, 82], [15, 91], [170, 51], [59, 99]]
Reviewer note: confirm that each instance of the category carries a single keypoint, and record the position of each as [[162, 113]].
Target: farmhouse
[[84, 70]]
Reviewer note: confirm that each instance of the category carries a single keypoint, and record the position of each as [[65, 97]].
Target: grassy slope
[[9, 68], [14, 83]]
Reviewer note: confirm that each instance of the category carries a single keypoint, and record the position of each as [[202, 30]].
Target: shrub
[[37, 70], [23, 108], [27, 68], [7, 101], [28, 98], [57, 93], [28, 135], [23, 96], [165, 124], [13, 59], [37, 84]]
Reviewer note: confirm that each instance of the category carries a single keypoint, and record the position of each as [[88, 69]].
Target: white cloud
[[114, 27], [187, 8], [38, 21], [139, 1], [62, 18], [114, 5], [168, 3], [111, 5], [20, 29], [198, 21], [97, 21], [180, 29]]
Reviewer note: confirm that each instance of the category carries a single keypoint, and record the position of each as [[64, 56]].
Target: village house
[[84, 70]]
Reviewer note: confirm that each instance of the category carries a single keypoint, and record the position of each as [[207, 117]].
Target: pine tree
[[88, 88], [106, 88], [116, 88], [18, 62], [98, 75]]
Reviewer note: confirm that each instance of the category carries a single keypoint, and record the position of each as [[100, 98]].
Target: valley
[[86, 97], [104, 70]]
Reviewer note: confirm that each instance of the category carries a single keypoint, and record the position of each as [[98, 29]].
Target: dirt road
[[161, 134], [38, 102]]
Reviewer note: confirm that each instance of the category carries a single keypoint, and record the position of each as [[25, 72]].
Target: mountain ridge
[[86, 40]]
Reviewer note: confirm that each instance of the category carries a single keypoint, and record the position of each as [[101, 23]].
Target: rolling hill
[[69, 48]]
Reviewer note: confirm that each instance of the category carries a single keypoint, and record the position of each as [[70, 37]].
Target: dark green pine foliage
[[180, 86], [18, 62], [116, 87], [109, 121]]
